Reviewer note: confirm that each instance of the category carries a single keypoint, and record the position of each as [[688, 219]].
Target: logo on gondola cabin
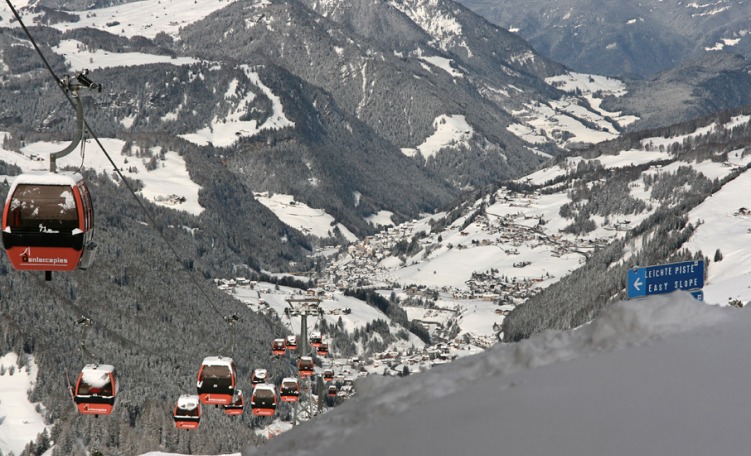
[[25, 258]]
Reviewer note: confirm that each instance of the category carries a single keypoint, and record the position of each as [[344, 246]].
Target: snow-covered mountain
[[318, 85], [618, 38], [250, 125]]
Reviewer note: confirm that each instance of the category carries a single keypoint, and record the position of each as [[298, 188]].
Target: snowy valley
[[464, 256]]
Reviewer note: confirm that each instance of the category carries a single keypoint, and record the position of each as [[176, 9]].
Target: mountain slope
[[695, 88], [618, 38]]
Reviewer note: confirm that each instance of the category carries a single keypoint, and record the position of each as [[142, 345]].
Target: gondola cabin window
[[45, 209], [214, 373]]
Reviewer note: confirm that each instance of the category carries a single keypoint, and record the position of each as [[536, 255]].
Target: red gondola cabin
[[237, 406], [315, 339], [96, 389], [259, 376], [289, 391], [278, 347], [323, 349], [48, 223], [263, 399], [332, 390], [187, 414], [305, 366], [216, 380]]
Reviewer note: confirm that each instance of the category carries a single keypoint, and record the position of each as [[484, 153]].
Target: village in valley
[[449, 280]]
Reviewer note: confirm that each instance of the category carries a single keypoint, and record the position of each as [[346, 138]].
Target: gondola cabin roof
[[97, 375], [46, 178], [264, 387], [218, 361], [260, 372], [188, 402]]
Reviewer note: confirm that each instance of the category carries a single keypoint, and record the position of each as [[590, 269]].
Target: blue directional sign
[[665, 278]]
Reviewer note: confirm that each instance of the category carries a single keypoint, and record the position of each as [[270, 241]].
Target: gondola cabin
[[291, 342], [216, 380], [289, 391], [48, 223], [278, 347], [96, 389], [305, 366], [315, 339], [323, 349], [187, 414], [332, 390], [328, 375], [237, 406], [263, 399], [259, 376]]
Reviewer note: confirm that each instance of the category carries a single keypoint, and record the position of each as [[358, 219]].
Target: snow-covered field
[[169, 178], [20, 423], [298, 215], [146, 18]]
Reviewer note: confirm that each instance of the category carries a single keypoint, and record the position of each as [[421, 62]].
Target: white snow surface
[[451, 131], [145, 18], [78, 56], [298, 215], [224, 132], [96, 375], [188, 401], [19, 421], [218, 361], [651, 376], [169, 178]]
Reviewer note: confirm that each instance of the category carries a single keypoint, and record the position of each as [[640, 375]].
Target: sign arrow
[[638, 284]]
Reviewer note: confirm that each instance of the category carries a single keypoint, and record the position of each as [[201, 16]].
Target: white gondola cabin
[[96, 389], [289, 391], [216, 380], [48, 223], [187, 414], [263, 399]]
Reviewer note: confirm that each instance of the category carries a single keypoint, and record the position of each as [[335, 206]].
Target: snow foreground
[[20, 422], [653, 376]]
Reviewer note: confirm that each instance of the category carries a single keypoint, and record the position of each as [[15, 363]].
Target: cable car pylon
[[304, 307]]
